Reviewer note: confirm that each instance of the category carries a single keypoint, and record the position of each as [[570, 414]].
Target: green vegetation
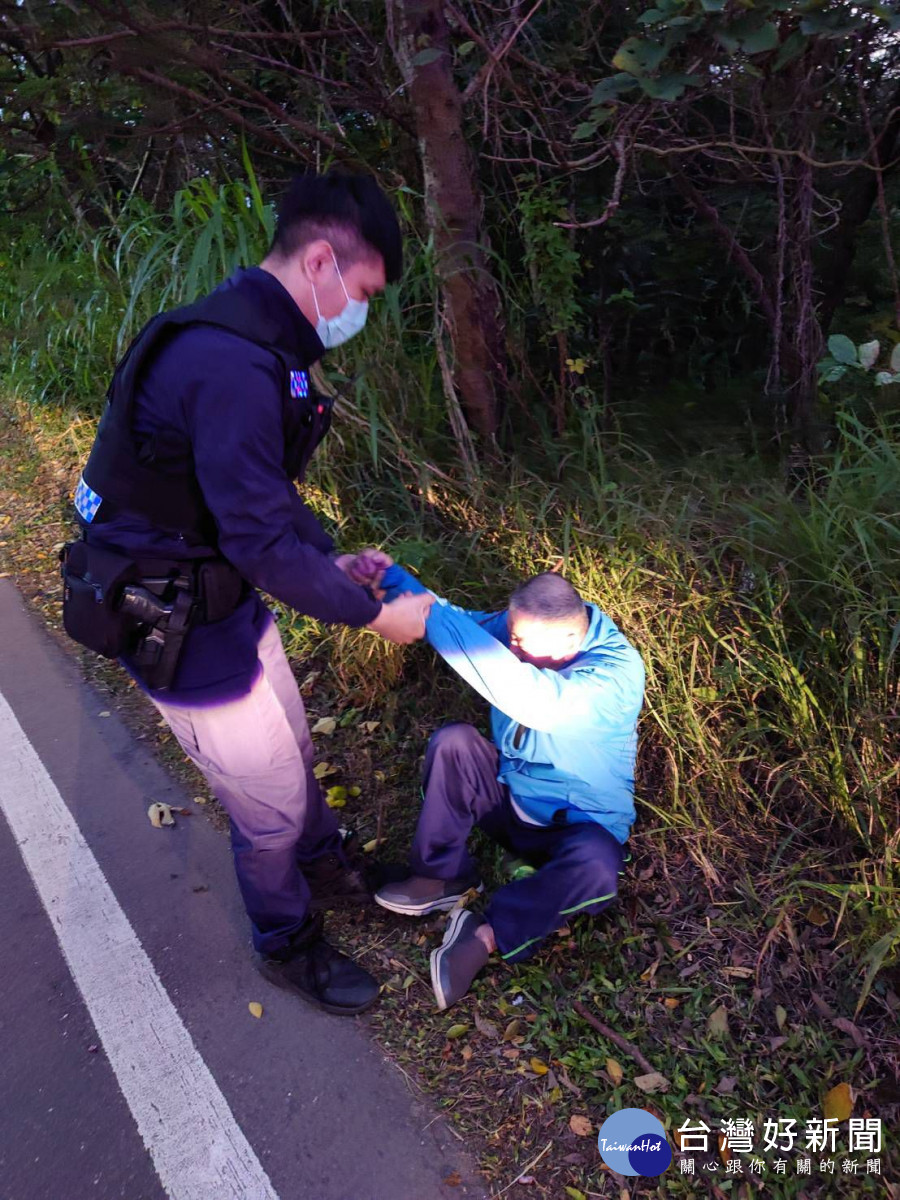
[[765, 871]]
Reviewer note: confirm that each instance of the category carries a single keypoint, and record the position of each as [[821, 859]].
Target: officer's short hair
[[348, 210], [548, 597]]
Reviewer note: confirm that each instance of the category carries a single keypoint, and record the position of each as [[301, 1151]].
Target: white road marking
[[197, 1146]]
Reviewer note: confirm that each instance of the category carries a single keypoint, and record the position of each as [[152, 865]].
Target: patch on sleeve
[[86, 501], [299, 385]]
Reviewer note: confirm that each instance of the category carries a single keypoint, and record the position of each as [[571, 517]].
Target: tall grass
[[769, 622]]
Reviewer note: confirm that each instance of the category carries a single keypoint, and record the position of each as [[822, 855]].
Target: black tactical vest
[[154, 476]]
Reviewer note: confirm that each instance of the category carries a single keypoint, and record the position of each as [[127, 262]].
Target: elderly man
[[556, 784]]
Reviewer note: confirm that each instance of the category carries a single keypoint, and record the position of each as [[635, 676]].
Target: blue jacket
[[567, 737]]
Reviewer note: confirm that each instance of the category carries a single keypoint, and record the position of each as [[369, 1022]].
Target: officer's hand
[[403, 620], [366, 568]]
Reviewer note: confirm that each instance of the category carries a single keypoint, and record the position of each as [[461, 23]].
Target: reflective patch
[[86, 501], [299, 385]]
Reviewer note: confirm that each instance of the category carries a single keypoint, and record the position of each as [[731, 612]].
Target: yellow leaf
[[614, 1071], [539, 1068], [671, 1002], [369, 726], [322, 769], [456, 1031], [326, 725], [160, 814], [780, 1016], [513, 1029], [370, 846], [580, 1125], [574, 1194], [838, 1103], [256, 1009], [200, 800], [817, 916], [336, 797]]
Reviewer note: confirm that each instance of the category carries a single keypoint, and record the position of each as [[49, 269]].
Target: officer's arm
[[235, 417], [307, 523]]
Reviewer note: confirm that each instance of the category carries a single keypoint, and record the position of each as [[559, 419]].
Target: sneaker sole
[[450, 935], [338, 1010], [422, 910]]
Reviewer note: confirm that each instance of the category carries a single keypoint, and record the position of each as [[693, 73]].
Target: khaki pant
[[257, 756]]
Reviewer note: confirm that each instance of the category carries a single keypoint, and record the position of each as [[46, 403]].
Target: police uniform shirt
[[226, 394]]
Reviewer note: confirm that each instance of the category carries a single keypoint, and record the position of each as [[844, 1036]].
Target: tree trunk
[[420, 42]]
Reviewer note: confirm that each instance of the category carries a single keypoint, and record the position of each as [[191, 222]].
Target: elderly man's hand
[[366, 568]]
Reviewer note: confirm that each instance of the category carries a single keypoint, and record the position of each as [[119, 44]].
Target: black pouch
[[93, 578], [220, 589]]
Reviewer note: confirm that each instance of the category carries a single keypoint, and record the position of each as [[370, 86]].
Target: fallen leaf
[[160, 814], [726, 1085], [614, 1071], [838, 1103], [580, 1125], [817, 916], [325, 725], [336, 797], [453, 1180], [466, 1053], [738, 972], [513, 1030], [104, 714], [539, 1068], [574, 1194], [370, 846], [654, 1082], [671, 1002], [848, 1027], [322, 769], [512, 1053], [488, 1028], [354, 792], [456, 1031], [717, 1023], [200, 800], [369, 726], [256, 1009], [780, 1016]]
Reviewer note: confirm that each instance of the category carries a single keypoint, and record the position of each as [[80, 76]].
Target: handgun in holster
[[158, 650]]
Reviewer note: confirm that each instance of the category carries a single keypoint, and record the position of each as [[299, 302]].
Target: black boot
[[319, 973]]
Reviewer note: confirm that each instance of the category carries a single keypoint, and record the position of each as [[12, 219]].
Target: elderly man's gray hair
[[548, 597]]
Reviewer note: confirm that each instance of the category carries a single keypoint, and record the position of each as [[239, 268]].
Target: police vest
[[154, 475]]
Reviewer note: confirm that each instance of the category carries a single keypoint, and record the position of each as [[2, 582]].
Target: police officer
[[187, 505]]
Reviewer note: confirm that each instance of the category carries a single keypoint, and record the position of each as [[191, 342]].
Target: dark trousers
[[577, 865]]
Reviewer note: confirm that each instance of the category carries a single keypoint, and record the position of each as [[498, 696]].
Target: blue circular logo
[[633, 1142]]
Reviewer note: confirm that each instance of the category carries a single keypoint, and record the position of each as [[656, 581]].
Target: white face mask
[[348, 322]]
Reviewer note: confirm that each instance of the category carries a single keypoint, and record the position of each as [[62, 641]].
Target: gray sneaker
[[417, 895], [458, 959]]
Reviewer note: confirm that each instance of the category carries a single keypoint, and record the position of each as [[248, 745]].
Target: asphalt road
[[130, 1065]]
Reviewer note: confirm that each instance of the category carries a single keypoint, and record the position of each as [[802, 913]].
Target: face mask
[[348, 322]]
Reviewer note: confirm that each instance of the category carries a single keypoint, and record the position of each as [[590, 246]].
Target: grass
[[764, 875]]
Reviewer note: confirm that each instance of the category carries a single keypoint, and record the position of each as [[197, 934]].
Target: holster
[[116, 605]]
